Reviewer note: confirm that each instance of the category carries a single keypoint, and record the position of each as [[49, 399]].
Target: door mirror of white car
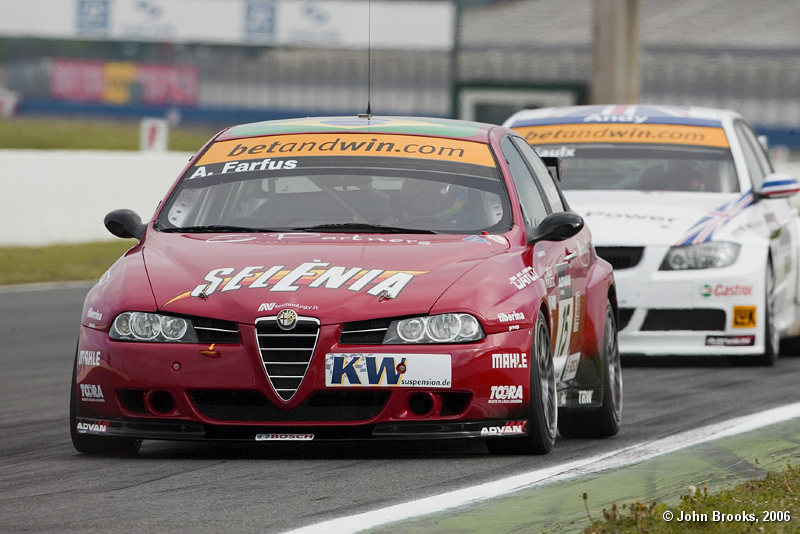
[[777, 185], [125, 224], [553, 167], [556, 227]]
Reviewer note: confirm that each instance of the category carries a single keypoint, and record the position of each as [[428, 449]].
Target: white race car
[[685, 205]]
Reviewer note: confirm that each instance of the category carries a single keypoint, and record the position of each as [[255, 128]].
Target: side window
[[533, 207], [548, 184], [757, 163]]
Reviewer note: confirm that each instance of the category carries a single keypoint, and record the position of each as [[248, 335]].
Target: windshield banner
[[403, 146], [665, 134]]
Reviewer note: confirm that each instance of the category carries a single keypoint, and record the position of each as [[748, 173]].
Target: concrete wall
[[61, 196]]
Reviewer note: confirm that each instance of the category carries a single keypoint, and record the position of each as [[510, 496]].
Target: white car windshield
[[650, 168]]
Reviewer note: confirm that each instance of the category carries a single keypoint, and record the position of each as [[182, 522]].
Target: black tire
[[772, 340], [96, 445], [543, 420], [604, 421]]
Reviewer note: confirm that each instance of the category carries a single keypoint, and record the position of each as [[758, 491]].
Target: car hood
[[636, 218], [335, 277]]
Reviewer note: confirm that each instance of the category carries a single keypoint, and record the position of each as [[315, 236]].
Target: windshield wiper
[[363, 227], [221, 228]]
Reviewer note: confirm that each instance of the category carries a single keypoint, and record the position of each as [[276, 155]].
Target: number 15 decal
[[566, 310]]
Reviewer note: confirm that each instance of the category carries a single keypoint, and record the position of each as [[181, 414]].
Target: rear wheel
[[90, 444], [543, 421], [605, 421]]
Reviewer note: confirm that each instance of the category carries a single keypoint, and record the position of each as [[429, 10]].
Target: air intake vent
[[215, 330], [370, 332], [286, 353], [621, 257], [696, 319]]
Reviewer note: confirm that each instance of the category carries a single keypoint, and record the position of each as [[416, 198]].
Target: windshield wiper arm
[[364, 227], [221, 228]]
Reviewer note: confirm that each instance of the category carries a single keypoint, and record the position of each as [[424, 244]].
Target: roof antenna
[[368, 114]]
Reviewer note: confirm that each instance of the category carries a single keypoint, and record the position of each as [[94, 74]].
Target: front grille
[[215, 330], [370, 332], [621, 257], [692, 319], [286, 354], [321, 406]]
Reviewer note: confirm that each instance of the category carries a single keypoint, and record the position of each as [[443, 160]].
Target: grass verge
[[771, 504], [78, 134], [59, 263]]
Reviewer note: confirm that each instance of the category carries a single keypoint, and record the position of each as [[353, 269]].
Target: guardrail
[[61, 196]]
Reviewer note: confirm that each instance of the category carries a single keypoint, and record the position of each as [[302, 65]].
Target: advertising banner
[[111, 82], [410, 24]]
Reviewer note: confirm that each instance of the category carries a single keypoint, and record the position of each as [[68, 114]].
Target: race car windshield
[[339, 194], [651, 168]]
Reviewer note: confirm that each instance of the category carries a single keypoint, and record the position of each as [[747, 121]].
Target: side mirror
[[125, 224], [556, 227], [778, 186], [553, 167]]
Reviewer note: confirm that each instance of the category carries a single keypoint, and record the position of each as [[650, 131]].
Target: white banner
[[408, 24], [388, 370]]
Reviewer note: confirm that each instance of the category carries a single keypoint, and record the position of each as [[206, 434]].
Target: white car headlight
[[443, 328], [153, 327], [701, 256]]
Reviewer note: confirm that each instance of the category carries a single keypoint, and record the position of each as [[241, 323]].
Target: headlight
[[154, 327], [444, 328], [701, 256]]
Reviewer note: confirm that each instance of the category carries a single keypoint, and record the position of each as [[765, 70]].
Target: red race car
[[352, 278]]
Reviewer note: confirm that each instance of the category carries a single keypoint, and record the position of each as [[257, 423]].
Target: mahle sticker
[[349, 144]]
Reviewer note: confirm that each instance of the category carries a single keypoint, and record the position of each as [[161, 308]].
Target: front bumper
[[694, 312], [188, 392]]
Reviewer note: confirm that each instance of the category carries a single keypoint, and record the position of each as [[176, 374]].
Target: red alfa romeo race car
[[352, 278]]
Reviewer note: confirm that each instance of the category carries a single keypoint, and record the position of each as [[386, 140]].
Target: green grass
[[59, 263], [53, 134], [746, 507]]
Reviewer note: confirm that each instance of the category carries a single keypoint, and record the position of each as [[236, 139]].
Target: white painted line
[[558, 473]]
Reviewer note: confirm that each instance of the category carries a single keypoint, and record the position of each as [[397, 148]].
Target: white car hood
[[636, 218]]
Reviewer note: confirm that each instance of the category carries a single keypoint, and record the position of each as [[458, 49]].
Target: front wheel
[[772, 339], [605, 421], [543, 420], [90, 444]]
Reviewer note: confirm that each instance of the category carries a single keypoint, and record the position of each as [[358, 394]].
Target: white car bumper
[[693, 312]]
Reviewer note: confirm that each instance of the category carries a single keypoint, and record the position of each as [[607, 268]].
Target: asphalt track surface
[[192, 487]]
